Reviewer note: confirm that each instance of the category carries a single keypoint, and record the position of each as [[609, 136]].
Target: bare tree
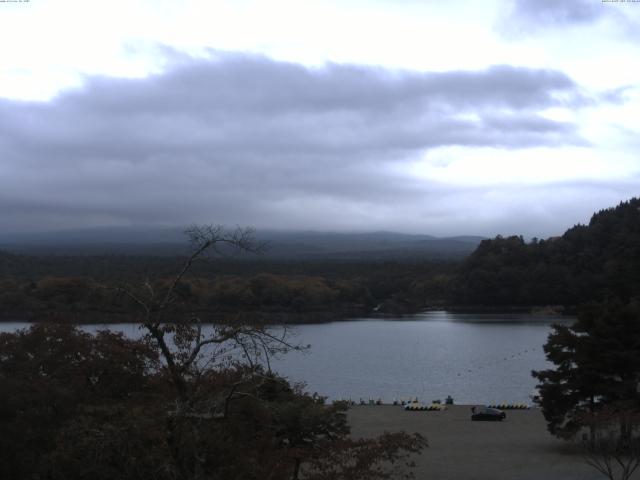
[[612, 445], [190, 353], [183, 344]]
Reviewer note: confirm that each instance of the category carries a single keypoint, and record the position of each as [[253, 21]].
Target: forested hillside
[[588, 263]]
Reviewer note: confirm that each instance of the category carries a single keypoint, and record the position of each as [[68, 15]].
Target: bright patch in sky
[[533, 166]]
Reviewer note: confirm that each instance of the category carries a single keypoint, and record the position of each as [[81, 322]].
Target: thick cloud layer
[[247, 140]]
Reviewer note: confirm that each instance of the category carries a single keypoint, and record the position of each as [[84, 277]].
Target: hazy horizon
[[181, 229]]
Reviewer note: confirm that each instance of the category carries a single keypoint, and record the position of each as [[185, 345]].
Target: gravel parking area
[[518, 448]]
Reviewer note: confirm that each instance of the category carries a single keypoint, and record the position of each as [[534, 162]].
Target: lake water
[[475, 358]]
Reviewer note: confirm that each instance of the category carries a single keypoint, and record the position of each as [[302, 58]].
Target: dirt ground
[[519, 448]]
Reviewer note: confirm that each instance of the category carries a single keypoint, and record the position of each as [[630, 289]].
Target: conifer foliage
[[597, 364], [587, 263]]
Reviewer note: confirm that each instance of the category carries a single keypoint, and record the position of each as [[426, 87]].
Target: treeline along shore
[[587, 263], [85, 288]]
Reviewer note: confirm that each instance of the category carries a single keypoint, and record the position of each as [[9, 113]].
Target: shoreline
[[290, 318]]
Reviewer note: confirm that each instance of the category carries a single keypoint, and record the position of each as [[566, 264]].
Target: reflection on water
[[475, 358]]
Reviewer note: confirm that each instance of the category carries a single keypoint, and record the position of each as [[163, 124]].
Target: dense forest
[[588, 263], [84, 288]]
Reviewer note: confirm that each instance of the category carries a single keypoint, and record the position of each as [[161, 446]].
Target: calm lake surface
[[475, 358]]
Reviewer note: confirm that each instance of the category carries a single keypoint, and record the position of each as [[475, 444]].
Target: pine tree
[[597, 363]]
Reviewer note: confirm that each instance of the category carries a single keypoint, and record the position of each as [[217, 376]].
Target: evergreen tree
[[597, 363], [589, 262]]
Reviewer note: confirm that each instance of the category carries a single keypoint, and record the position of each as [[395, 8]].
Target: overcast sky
[[437, 117]]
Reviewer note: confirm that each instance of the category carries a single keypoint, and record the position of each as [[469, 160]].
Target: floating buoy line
[[510, 357]]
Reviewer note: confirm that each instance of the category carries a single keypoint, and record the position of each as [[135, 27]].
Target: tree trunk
[[296, 469]]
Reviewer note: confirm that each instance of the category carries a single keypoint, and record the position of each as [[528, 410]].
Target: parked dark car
[[488, 414]]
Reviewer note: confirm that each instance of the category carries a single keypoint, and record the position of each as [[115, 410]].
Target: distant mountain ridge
[[282, 244]]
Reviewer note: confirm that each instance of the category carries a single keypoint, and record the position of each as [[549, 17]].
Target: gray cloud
[[553, 12], [244, 139], [524, 17]]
